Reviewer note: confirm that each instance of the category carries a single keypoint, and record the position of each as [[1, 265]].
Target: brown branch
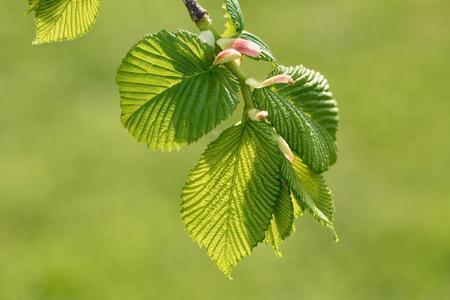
[[196, 11]]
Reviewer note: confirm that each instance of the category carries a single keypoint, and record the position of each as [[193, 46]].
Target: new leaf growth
[[261, 174]]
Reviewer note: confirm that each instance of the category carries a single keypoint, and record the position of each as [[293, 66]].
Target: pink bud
[[248, 48], [257, 115], [262, 115], [227, 56], [277, 79], [282, 78]]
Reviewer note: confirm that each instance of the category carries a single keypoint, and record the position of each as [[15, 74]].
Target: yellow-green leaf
[[60, 20], [229, 198], [282, 224], [311, 191], [234, 23]]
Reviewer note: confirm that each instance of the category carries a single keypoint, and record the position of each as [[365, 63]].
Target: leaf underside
[[229, 198], [59, 20], [171, 95], [304, 115]]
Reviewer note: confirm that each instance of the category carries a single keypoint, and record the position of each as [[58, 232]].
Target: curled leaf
[[234, 24]]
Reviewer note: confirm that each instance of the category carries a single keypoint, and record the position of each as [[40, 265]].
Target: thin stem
[[245, 89], [234, 68], [247, 95]]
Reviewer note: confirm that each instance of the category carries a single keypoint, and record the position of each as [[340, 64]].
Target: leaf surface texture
[[59, 20], [304, 115], [229, 198], [171, 95]]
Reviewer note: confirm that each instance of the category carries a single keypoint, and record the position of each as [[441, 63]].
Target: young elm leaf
[[235, 23], [311, 93], [32, 4], [304, 135], [282, 224], [229, 198], [171, 94], [311, 192], [63, 20]]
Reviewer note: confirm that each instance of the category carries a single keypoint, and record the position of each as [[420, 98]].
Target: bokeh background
[[87, 213]]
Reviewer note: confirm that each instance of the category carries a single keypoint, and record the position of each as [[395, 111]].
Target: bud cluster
[[234, 49]]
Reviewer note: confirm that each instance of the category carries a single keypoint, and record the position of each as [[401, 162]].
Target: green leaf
[[282, 224], [234, 24], [229, 198], [266, 53], [32, 4], [171, 94], [316, 188], [311, 191], [304, 135], [58, 20], [298, 211], [312, 94]]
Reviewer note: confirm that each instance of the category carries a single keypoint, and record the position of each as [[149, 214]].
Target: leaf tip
[[225, 269], [278, 253]]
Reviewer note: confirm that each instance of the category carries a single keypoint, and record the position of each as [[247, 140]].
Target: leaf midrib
[[229, 204], [58, 18]]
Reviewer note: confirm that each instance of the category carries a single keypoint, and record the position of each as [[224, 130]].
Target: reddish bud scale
[[227, 56], [278, 79], [247, 48]]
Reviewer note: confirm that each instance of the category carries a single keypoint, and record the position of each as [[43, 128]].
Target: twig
[[196, 11]]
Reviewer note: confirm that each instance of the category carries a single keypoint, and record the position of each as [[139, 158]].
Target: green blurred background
[[87, 213]]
